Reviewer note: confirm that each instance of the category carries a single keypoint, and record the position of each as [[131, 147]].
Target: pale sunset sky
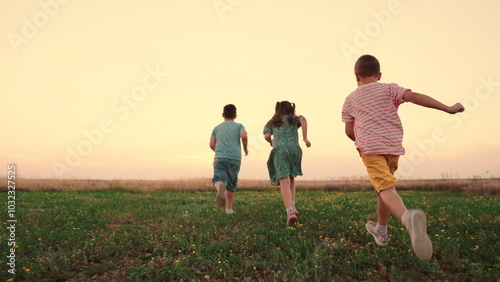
[[132, 89]]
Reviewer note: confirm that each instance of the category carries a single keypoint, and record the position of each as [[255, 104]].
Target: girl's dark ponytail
[[282, 108]]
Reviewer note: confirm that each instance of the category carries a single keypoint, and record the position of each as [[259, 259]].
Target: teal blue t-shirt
[[227, 135]]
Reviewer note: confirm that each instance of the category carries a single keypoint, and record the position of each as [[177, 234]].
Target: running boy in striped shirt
[[372, 122]]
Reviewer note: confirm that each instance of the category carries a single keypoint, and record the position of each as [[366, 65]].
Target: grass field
[[122, 235], [475, 185]]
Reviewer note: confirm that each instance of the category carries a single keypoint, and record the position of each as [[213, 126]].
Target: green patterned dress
[[286, 156]]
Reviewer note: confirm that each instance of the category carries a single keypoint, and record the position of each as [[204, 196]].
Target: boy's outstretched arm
[[429, 102], [244, 141], [349, 130]]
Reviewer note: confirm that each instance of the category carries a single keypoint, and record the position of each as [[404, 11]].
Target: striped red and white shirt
[[373, 108]]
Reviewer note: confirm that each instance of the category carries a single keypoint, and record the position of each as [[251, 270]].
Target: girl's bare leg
[[292, 191], [292, 188], [286, 192]]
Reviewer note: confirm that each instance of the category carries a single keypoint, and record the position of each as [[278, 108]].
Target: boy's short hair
[[229, 111], [367, 65]]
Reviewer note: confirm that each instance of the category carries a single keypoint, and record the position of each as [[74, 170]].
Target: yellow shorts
[[381, 170]]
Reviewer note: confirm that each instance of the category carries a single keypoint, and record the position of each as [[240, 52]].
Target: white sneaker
[[221, 195], [417, 228], [229, 211], [381, 239]]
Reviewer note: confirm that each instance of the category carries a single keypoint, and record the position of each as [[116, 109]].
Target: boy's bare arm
[[303, 124], [429, 102], [212, 143], [244, 141], [349, 130]]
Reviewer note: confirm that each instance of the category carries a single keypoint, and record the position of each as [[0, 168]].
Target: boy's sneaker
[[417, 228], [221, 195], [381, 239], [229, 211], [291, 218]]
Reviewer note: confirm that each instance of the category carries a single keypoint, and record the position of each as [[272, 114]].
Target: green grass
[[132, 236]]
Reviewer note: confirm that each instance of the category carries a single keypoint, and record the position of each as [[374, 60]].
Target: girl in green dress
[[284, 162]]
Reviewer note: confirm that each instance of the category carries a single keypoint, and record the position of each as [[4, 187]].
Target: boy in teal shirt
[[225, 142]]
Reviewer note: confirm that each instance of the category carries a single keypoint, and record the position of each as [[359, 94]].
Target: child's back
[[378, 128], [227, 135], [371, 120], [225, 142]]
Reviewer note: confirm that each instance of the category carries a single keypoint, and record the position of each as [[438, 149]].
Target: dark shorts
[[226, 171]]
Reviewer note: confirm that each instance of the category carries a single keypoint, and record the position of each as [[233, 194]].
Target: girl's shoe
[[291, 218]]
